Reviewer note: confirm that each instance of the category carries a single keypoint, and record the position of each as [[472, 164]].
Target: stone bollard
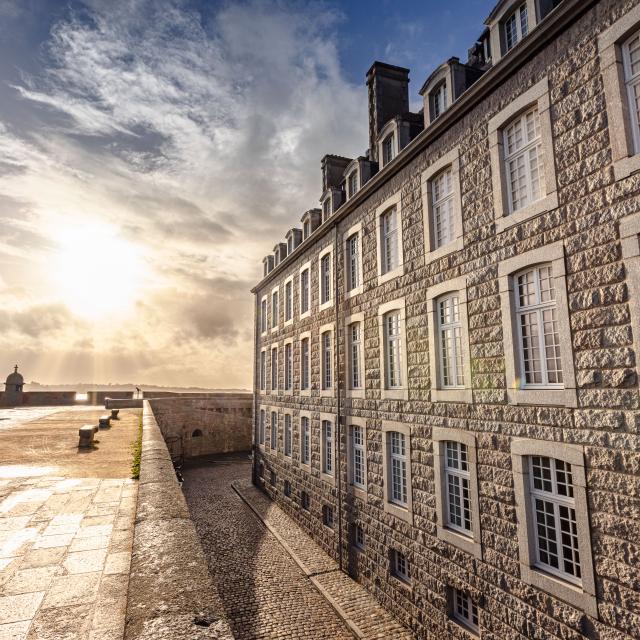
[[114, 414], [104, 422], [86, 436]]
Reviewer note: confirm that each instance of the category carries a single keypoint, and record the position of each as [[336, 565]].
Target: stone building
[[13, 389], [446, 390]]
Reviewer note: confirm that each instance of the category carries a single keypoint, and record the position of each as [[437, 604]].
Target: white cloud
[[200, 139]]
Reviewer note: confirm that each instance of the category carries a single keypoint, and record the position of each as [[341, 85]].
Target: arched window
[[197, 433]]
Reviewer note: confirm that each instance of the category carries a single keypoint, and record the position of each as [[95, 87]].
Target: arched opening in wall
[[197, 433]]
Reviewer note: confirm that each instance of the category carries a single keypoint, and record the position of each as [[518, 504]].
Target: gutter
[[557, 21]]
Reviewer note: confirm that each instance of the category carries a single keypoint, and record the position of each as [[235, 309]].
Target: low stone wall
[[99, 397], [216, 423], [115, 403], [39, 399], [171, 594]]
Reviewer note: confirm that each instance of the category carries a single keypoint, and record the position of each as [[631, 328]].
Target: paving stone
[[15, 630], [117, 562], [60, 540], [71, 590], [85, 561], [21, 607], [30, 580], [62, 623], [86, 544], [43, 557]]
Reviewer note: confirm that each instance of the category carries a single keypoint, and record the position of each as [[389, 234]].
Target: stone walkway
[[266, 593], [65, 541]]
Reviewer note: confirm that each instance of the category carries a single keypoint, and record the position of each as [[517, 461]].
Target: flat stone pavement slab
[[267, 593], [66, 528]]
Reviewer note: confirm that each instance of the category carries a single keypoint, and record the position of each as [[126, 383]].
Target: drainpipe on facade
[[337, 376], [256, 389]]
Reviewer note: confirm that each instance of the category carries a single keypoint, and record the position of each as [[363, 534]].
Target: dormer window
[[388, 149], [516, 27], [289, 245], [439, 100], [352, 184], [326, 209], [306, 229]]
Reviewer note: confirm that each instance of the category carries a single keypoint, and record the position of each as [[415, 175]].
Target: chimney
[[388, 97], [332, 171]]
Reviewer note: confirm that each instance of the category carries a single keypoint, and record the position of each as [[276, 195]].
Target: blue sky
[[152, 151]]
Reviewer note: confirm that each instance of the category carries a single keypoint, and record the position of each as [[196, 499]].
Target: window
[[273, 479], [516, 27], [288, 366], [305, 501], [274, 309], [450, 342], [456, 485], [522, 162], [631, 61], [396, 438], [389, 240], [306, 229], [553, 523], [327, 447], [287, 488], [261, 428], [304, 291], [304, 364], [263, 315], [439, 100], [287, 434], [358, 457], [398, 468], [354, 337], [524, 168], [326, 208], [288, 301], [274, 430], [400, 565], [274, 368], [393, 350], [442, 208], [388, 149], [537, 339], [464, 610], [327, 516], [358, 537], [353, 262], [325, 279], [263, 370], [352, 184], [537, 322], [619, 58], [326, 355], [305, 440]]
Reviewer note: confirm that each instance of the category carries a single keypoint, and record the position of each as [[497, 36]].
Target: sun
[[96, 273]]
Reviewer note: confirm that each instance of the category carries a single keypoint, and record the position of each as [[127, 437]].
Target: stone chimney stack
[[388, 97]]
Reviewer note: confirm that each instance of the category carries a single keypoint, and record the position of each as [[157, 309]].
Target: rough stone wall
[[606, 422], [223, 420], [40, 399]]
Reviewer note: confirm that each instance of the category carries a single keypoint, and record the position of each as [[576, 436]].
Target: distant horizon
[[96, 386]]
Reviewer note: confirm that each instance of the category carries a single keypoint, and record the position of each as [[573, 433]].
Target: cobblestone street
[[264, 592]]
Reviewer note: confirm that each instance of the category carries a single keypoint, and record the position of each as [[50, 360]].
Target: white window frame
[[351, 291], [625, 139], [389, 129], [567, 395], [305, 267], [439, 93], [264, 315], [520, 32], [349, 390], [393, 201], [401, 511], [359, 538], [325, 390], [464, 598], [329, 477], [263, 370], [448, 160], [327, 251], [328, 199], [468, 541], [305, 391], [288, 282], [396, 571], [262, 426], [582, 596], [496, 24], [288, 365], [301, 440], [439, 393], [402, 392], [355, 172], [287, 439], [536, 96], [358, 490], [273, 387], [630, 241], [275, 309], [273, 435]]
